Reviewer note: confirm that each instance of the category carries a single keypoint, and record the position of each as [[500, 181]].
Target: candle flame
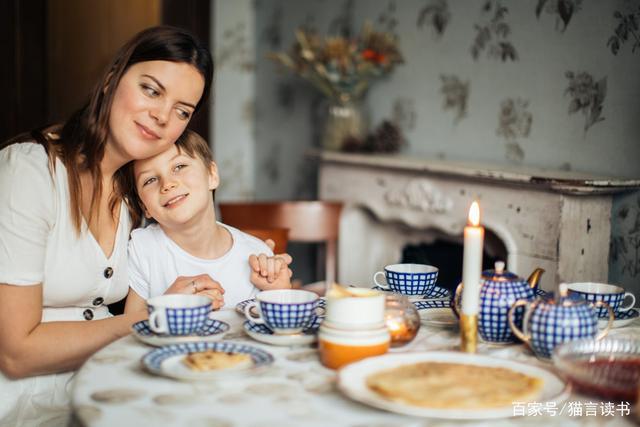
[[474, 214]]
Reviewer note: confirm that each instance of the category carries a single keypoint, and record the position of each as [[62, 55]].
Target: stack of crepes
[[454, 385]]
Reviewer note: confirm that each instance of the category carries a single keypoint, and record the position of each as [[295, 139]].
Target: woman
[[63, 225]]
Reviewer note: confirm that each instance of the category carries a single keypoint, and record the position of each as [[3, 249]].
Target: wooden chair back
[[307, 221], [278, 234]]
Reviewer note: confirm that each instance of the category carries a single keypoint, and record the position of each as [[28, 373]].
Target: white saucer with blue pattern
[[623, 318], [436, 293], [263, 334], [436, 312], [168, 360], [213, 330]]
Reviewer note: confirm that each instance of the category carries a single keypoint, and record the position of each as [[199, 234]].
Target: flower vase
[[345, 122]]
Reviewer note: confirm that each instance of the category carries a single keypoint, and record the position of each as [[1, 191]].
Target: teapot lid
[[499, 274]]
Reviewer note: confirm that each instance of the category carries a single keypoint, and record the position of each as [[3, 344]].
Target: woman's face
[[151, 107]]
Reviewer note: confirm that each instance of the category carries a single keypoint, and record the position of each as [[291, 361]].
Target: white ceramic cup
[[178, 314], [611, 294], [364, 309]]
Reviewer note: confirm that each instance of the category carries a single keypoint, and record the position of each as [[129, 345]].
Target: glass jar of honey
[[338, 347]]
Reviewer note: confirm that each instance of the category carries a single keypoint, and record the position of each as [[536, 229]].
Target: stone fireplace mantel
[[557, 220]]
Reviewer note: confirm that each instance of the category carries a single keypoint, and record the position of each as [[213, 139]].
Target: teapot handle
[[612, 317], [517, 332]]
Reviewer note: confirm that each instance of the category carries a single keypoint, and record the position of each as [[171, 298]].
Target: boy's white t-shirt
[[156, 261]]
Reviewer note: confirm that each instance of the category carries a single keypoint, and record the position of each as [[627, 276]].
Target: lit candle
[[472, 261]]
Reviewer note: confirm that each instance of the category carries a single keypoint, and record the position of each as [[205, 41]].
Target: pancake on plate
[[215, 360], [454, 385]]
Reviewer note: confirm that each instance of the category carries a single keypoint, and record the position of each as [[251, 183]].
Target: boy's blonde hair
[[189, 143]]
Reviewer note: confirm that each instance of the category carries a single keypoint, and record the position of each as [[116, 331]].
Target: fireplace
[[557, 220]]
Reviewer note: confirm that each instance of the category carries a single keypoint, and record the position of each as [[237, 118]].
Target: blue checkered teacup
[[408, 279], [284, 311], [178, 314], [611, 294]]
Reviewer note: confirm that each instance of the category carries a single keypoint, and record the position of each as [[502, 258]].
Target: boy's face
[[175, 189]]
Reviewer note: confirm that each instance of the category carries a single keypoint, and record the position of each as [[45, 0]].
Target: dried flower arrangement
[[342, 68]]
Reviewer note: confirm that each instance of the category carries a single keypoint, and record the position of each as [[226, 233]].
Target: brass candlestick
[[469, 332]]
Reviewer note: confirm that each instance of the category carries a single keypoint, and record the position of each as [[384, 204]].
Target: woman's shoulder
[[24, 151], [25, 162]]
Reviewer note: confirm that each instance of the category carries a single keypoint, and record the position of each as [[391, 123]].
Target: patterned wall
[[547, 83]]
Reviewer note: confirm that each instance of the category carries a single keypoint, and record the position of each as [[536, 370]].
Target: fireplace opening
[[446, 254]]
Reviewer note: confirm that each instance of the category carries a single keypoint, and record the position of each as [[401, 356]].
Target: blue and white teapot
[[499, 290], [549, 322]]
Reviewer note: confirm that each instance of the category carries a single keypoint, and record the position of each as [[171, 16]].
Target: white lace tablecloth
[[112, 390]]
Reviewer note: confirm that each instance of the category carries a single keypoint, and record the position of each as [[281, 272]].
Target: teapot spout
[[535, 277]]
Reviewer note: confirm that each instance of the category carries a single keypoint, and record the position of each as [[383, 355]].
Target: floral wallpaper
[[587, 96], [562, 9], [492, 34], [542, 83], [435, 15], [625, 240]]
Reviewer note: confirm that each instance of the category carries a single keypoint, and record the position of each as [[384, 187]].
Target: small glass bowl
[[609, 368], [402, 319]]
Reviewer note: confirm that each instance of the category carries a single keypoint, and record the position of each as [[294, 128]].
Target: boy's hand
[[284, 256], [270, 272], [201, 284]]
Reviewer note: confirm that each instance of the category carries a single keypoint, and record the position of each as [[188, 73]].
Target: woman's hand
[[201, 284]]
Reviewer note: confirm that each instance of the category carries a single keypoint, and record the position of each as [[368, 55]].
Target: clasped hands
[[267, 272]]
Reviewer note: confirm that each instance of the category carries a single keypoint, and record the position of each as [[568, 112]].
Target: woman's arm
[[134, 303], [29, 346]]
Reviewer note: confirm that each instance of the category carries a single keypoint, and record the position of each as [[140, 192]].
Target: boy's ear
[[214, 179]]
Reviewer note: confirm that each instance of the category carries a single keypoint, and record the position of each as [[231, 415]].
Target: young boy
[[174, 190]]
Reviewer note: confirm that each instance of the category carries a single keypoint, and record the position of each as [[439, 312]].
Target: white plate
[[168, 360], [436, 313], [352, 382], [263, 334], [623, 318], [213, 330]]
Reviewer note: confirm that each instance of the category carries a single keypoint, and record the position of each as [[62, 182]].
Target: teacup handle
[[630, 306], [517, 332], [158, 322], [249, 316], [375, 280], [320, 311], [612, 317]]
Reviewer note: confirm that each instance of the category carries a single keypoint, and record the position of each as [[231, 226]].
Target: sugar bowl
[[549, 322]]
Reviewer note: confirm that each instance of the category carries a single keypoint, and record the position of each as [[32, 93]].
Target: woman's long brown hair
[[80, 143]]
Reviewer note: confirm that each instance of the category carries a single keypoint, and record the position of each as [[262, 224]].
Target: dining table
[[112, 389]]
